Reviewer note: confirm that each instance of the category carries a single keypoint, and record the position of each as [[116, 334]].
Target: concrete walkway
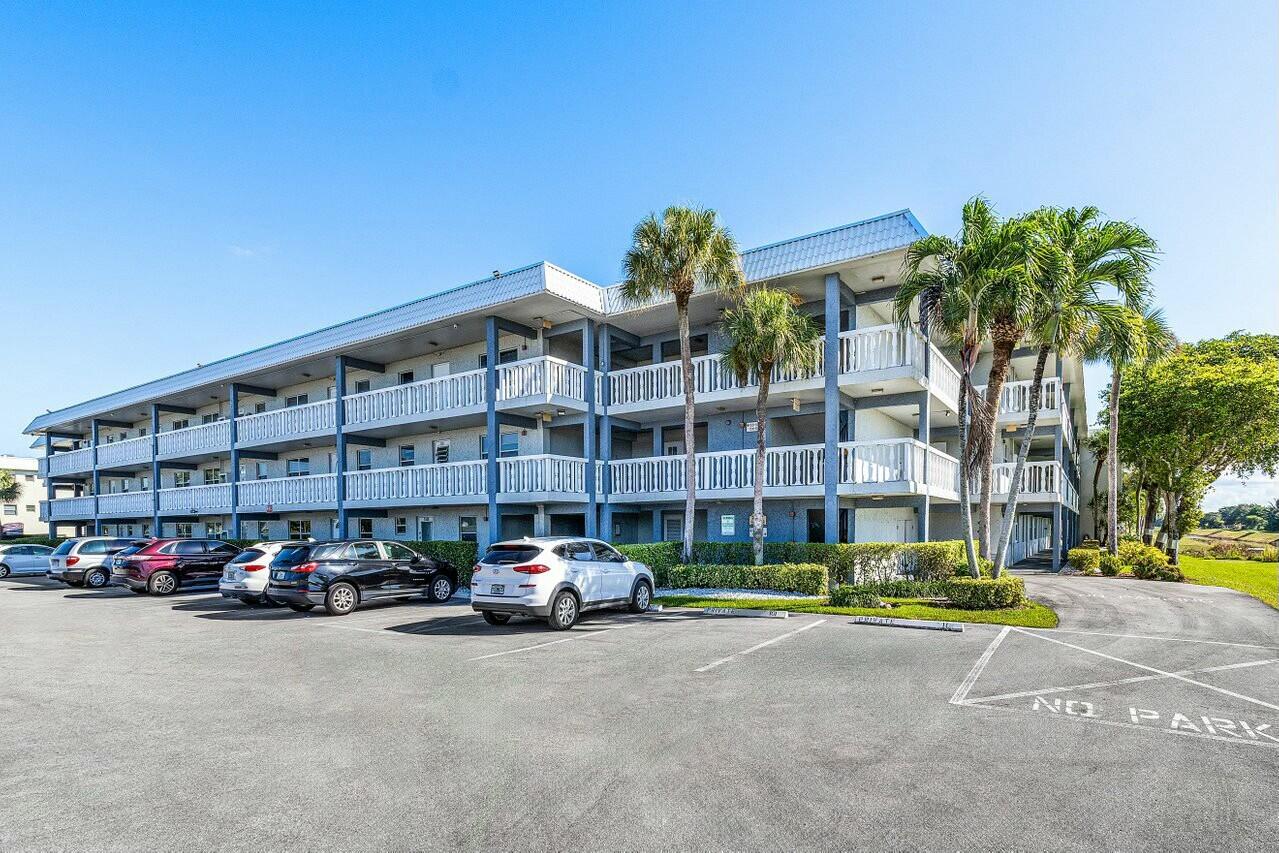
[[1040, 564]]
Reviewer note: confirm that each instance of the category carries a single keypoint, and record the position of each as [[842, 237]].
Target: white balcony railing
[[438, 396], [131, 451], [542, 473], [543, 377], [132, 504], [279, 424], [196, 499], [897, 460], [1014, 399], [441, 481], [70, 462], [201, 438], [1040, 481], [289, 491], [67, 509]]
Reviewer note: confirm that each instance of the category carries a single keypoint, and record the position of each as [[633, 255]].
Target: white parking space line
[[961, 692], [1136, 679], [1172, 675], [584, 635], [1152, 637], [758, 646]]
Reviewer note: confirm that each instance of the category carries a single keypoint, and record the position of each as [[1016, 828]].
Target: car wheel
[[642, 597], [563, 613], [300, 607], [441, 589], [162, 583], [341, 599], [96, 579], [496, 618], [4, 571]]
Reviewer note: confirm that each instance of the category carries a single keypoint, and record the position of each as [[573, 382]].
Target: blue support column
[[1059, 529], [923, 530], [339, 420], [97, 478], [657, 451], [234, 400], [155, 470], [50, 490], [490, 428], [589, 440], [830, 463], [606, 431]]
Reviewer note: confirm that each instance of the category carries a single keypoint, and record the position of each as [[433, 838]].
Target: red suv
[[162, 566]]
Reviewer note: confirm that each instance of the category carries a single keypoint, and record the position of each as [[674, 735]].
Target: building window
[[405, 377], [213, 476], [209, 418], [259, 407], [441, 369], [142, 431], [264, 530], [214, 529], [362, 386], [440, 450], [505, 356], [508, 445], [30, 478], [426, 528], [31, 508], [727, 525], [124, 486], [401, 526], [298, 467], [335, 530], [180, 424], [259, 471], [468, 529], [333, 463], [330, 392], [181, 479], [146, 530], [672, 527], [406, 455], [366, 528], [363, 460], [144, 483], [182, 530], [10, 509], [299, 528], [296, 400]]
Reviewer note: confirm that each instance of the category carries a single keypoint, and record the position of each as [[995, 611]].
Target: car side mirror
[[415, 559]]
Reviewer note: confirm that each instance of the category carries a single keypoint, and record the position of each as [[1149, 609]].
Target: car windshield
[[248, 555], [327, 552], [293, 555], [64, 548], [509, 555]]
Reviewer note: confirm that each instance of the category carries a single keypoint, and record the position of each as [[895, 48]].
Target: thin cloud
[[238, 251]]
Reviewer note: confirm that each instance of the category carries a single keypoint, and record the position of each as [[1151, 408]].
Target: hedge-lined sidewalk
[[1031, 615]]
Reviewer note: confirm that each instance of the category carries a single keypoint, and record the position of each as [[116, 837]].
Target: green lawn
[[1035, 615], [1260, 580]]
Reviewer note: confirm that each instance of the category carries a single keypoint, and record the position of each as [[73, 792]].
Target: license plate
[[497, 589], [277, 575]]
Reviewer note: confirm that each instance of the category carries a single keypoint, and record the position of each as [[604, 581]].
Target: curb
[[735, 611], [920, 624]]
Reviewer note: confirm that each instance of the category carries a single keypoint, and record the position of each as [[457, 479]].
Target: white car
[[557, 578], [24, 560], [245, 577]]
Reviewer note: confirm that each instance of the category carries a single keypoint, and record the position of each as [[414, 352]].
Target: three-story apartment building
[[536, 402]]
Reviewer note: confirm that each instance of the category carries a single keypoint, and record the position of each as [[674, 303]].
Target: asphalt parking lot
[[1148, 721]]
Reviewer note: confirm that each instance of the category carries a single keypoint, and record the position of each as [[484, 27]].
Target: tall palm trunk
[[1014, 488], [1001, 357], [690, 457], [1112, 468], [1152, 509], [1096, 476], [757, 505], [1137, 490], [965, 510]]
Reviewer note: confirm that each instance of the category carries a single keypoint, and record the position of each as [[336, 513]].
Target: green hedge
[[1109, 566], [804, 578], [854, 596], [986, 593], [661, 557], [1086, 560], [51, 541], [463, 555]]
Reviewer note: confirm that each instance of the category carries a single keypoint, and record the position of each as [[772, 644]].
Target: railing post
[[490, 427], [830, 464], [234, 402], [50, 490], [589, 438], [97, 477], [924, 435], [155, 470], [339, 418], [606, 428]]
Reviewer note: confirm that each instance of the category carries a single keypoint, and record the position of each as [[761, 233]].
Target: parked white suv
[[245, 577], [557, 578], [86, 561]]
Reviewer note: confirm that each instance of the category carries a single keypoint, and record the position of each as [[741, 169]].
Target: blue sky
[[273, 168]]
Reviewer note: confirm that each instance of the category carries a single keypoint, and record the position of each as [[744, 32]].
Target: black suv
[[342, 574]]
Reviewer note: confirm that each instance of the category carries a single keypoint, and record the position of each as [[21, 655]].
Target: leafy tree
[[1212, 520], [10, 488], [671, 256], [1077, 255], [1208, 409], [951, 280], [765, 331]]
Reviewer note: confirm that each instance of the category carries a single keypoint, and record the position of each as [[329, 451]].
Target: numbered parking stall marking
[[1231, 695]]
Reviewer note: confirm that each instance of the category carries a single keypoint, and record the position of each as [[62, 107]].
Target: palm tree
[[1077, 254], [765, 331], [1099, 445], [670, 256], [952, 280], [1152, 340]]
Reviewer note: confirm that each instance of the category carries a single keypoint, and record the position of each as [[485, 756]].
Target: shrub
[[804, 578], [986, 593], [1144, 561], [1153, 572], [1086, 560], [875, 562], [1225, 551], [1109, 565], [51, 541], [854, 596], [905, 588], [1265, 555], [986, 568], [661, 557], [463, 555]]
